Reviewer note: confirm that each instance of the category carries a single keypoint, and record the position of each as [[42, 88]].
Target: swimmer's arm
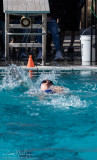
[[57, 89]]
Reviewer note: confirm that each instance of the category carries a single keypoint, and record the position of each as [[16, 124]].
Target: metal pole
[[6, 36], [85, 15], [96, 29], [44, 29], [91, 33]]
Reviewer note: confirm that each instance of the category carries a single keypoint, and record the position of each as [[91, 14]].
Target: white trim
[[25, 45]]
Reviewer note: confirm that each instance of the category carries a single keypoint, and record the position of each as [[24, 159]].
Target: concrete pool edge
[[59, 68]]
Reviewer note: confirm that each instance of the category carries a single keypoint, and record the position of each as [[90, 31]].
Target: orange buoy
[[30, 64]]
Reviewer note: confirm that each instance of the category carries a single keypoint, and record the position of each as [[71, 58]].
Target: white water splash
[[65, 102], [14, 77]]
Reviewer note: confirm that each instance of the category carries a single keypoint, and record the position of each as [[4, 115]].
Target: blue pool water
[[38, 126]]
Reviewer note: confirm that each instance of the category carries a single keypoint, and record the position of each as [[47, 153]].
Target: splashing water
[[51, 126], [16, 77]]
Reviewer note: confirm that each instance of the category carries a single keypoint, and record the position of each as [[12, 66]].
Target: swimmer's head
[[45, 84]]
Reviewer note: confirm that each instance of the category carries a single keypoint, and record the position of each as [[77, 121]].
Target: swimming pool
[[41, 126]]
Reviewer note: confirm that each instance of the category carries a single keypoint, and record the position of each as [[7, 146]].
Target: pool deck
[[58, 68], [66, 68]]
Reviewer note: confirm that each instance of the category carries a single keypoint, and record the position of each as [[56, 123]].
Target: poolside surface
[[61, 68]]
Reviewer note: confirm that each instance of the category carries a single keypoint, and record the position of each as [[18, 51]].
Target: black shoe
[[71, 49]]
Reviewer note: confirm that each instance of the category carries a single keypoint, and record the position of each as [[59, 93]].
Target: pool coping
[[59, 68]]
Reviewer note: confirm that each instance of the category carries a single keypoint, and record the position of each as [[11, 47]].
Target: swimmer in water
[[48, 87]]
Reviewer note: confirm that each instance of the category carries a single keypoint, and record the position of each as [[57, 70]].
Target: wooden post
[[44, 29], [6, 36]]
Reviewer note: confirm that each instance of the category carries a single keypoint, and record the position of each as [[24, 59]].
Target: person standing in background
[[52, 26], [69, 18]]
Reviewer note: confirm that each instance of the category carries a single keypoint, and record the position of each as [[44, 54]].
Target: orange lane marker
[[30, 64]]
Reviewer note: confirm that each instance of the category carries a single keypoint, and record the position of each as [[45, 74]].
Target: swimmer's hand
[[57, 89]]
